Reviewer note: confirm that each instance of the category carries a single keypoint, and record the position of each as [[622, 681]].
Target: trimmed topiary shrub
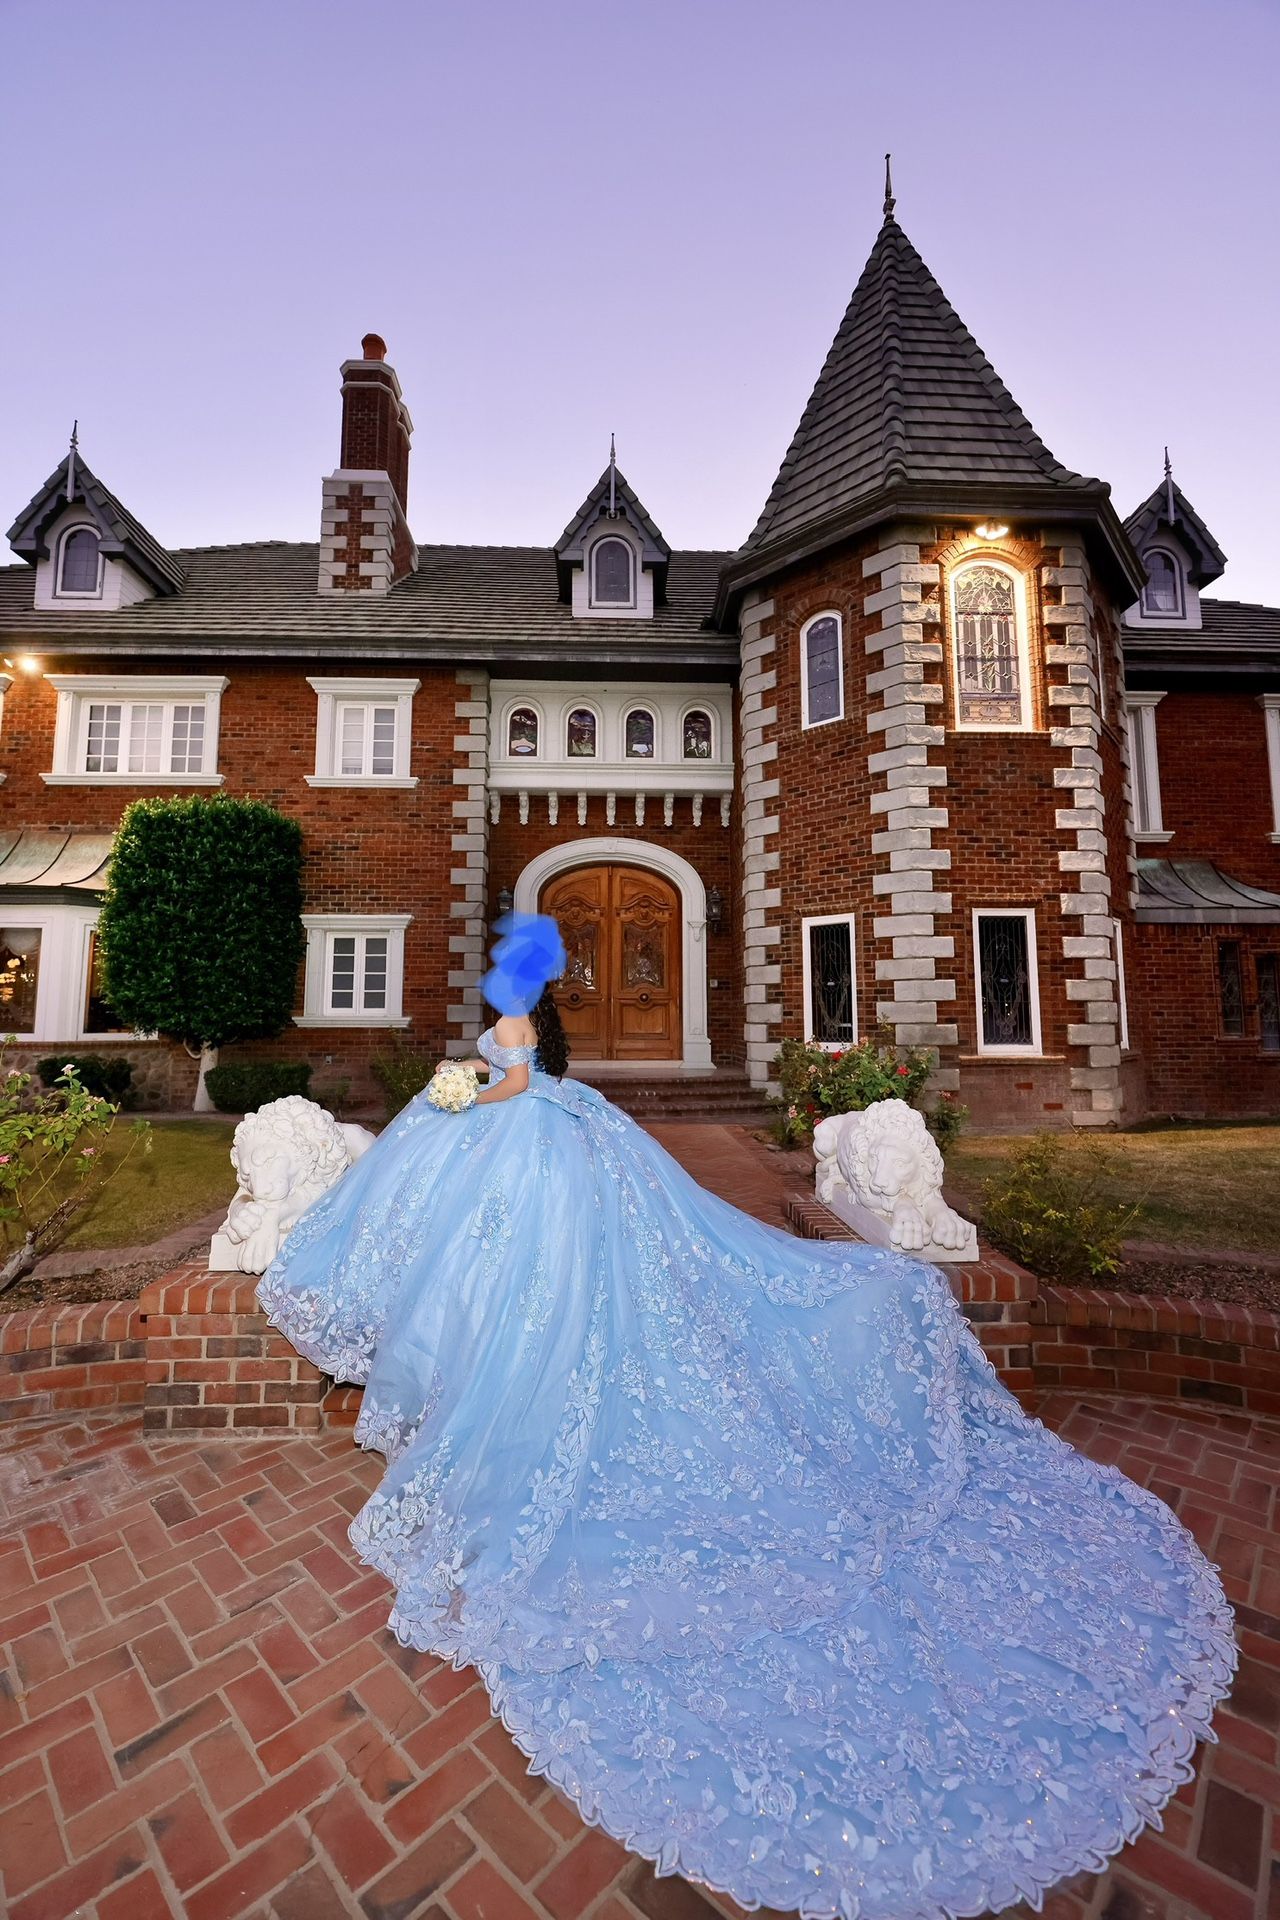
[[245, 1088], [107, 1076]]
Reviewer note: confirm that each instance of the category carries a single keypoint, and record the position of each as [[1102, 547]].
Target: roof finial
[[1168, 488], [889, 201], [71, 460], [613, 479]]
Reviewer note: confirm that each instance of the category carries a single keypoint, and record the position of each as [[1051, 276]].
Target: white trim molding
[[333, 698], [1144, 754], [808, 922], [553, 770], [693, 902], [1034, 1046], [320, 929], [1270, 704], [77, 691]]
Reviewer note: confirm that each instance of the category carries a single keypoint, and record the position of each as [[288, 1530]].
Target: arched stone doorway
[[691, 1046], [620, 995]]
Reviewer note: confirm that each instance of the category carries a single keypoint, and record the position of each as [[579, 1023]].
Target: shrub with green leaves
[[246, 1086], [814, 1082], [402, 1073], [1053, 1207], [105, 1074]]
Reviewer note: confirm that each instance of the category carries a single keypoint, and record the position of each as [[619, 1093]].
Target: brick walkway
[[202, 1714]]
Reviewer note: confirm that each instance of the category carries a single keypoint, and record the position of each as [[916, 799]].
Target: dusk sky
[[568, 220]]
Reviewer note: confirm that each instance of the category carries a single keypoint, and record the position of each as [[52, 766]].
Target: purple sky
[[566, 219]]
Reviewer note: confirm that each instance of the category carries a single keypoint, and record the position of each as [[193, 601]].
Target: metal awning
[[36, 857], [1196, 893]]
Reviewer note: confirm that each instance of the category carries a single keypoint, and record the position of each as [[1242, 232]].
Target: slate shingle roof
[[464, 603], [905, 395], [1235, 634]]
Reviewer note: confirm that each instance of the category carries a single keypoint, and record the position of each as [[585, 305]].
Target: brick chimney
[[365, 543]]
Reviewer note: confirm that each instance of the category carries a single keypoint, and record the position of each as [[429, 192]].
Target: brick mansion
[[946, 750]]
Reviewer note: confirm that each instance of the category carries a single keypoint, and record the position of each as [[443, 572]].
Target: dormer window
[[80, 562], [522, 732], [611, 570], [1163, 591]]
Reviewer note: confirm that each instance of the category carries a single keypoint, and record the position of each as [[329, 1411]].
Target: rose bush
[[814, 1082]]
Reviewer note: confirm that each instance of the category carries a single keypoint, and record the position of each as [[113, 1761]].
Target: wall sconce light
[[506, 900], [25, 662], [991, 529], [715, 909]]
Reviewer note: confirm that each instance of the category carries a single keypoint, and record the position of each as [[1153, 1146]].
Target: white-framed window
[[1144, 766], [1270, 704], [581, 733], [697, 734], [828, 953], [354, 970], [142, 730], [1122, 996], [990, 648], [821, 670], [1006, 980], [1163, 593], [79, 565], [524, 731], [612, 572], [51, 975], [640, 734], [363, 732]]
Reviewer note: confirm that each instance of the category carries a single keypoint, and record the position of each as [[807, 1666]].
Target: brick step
[[724, 1095]]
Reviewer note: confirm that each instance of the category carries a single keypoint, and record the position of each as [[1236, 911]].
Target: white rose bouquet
[[453, 1087]]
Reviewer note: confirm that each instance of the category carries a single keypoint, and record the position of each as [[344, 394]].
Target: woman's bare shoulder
[[514, 1030]]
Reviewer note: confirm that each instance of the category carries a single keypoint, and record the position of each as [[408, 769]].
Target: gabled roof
[[1146, 523], [123, 537], [612, 495]]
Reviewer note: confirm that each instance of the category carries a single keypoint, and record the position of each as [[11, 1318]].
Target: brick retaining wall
[[214, 1362], [63, 1359]]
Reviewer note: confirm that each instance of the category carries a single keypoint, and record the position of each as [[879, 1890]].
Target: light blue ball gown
[[758, 1560]]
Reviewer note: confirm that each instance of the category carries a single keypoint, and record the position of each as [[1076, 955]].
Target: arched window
[[522, 731], [821, 670], [640, 734], [611, 573], [580, 732], [696, 735], [1163, 591], [79, 570], [990, 647]]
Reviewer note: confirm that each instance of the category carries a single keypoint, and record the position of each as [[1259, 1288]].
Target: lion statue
[[881, 1171], [285, 1155]]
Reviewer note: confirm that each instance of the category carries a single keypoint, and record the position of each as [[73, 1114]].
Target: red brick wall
[[1192, 1068], [1215, 788]]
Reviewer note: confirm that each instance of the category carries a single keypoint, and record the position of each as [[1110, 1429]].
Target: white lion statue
[[285, 1155], [881, 1171]]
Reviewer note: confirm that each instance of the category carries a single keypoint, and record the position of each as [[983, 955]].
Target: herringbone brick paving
[[202, 1713]]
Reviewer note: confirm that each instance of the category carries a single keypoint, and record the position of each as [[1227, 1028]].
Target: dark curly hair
[[553, 1043]]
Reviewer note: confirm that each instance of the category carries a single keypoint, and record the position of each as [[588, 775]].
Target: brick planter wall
[[63, 1359], [1169, 1349], [214, 1363]]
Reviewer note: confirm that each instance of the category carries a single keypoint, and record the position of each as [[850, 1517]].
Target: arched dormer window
[[639, 734], [821, 670], [611, 573], [1163, 591], [695, 735], [522, 732], [990, 660], [581, 730], [79, 562]]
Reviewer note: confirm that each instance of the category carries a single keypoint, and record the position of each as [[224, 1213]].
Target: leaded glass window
[[522, 731], [640, 734], [1006, 989], [611, 570], [696, 735], [989, 671], [1163, 591], [581, 734], [1230, 987], [822, 669], [831, 1012], [79, 562], [1268, 965]]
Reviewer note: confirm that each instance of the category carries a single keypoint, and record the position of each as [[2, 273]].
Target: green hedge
[[245, 1088], [107, 1075]]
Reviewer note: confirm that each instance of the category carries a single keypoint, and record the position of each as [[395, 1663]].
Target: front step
[[724, 1094]]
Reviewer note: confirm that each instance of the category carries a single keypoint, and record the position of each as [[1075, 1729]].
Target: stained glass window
[[522, 731], [1004, 981], [697, 735], [581, 731], [79, 562], [831, 1004], [643, 956], [1163, 591], [1269, 1002], [611, 568], [19, 978], [988, 659], [823, 678], [1230, 987], [640, 734]]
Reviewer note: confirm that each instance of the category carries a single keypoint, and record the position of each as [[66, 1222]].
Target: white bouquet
[[453, 1087]]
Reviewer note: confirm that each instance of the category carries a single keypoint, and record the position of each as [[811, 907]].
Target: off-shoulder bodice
[[500, 1057], [572, 1095]]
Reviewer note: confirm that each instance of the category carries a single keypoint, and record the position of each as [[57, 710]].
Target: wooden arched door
[[620, 995]]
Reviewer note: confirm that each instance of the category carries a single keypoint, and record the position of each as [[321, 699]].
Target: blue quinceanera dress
[[758, 1560]]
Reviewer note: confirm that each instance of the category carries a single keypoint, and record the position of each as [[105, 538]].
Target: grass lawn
[[1194, 1186], [186, 1174]]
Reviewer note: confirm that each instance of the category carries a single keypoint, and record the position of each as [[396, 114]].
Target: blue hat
[[528, 954]]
